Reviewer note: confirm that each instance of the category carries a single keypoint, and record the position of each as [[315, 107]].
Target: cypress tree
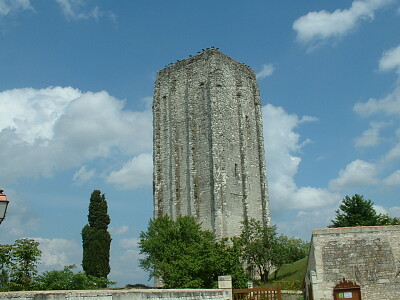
[[96, 240]]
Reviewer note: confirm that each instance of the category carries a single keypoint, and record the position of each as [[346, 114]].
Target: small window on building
[[236, 171]]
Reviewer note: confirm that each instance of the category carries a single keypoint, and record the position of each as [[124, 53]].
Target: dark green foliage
[[185, 256], [96, 240], [263, 250], [5, 263], [258, 244], [19, 264], [289, 250], [356, 211], [66, 279], [387, 220]]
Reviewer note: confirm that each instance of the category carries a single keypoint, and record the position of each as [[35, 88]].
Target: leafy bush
[[66, 279]]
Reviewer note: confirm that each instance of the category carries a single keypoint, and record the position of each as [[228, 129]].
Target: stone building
[[354, 263], [208, 143]]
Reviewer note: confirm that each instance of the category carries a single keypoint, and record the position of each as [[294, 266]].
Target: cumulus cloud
[[393, 179], [392, 155], [390, 60], [129, 256], [389, 105], [380, 209], [76, 10], [316, 27], [60, 128], [358, 173], [119, 230], [129, 243], [371, 137], [14, 6], [282, 143], [135, 173], [83, 175], [57, 253], [394, 211], [21, 218], [302, 224], [266, 71]]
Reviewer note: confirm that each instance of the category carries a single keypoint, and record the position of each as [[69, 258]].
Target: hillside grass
[[290, 276]]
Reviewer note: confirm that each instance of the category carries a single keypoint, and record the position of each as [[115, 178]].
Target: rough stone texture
[[208, 143], [184, 294], [367, 256]]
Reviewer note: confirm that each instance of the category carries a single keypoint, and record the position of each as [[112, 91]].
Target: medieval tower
[[208, 150]]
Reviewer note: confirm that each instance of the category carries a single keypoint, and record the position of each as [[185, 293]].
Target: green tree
[[263, 250], [288, 250], [384, 219], [5, 262], [258, 244], [96, 240], [185, 256], [19, 264], [66, 279], [356, 211]]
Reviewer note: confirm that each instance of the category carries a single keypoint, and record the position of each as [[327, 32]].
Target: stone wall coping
[[357, 229], [105, 292]]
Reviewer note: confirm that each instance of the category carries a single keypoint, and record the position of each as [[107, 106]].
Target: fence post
[[225, 282]]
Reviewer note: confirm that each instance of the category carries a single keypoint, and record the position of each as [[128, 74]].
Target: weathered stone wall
[[367, 256], [208, 143], [184, 294]]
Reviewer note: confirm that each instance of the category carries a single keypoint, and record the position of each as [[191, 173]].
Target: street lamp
[[3, 205]]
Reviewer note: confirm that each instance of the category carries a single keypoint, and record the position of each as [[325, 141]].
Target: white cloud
[[75, 10], [59, 252], [306, 119], [394, 211], [129, 243], [119, 230], [281, 142], [31, 114], [370, 137], [60, 128], [135, 173], [358, 173], [380, 209], [302, 224], [14, 6], [83, 175], [126, 264], [267, 70], [392, 155], [390, 60], [318, 26], [393, 179], [390, 105]]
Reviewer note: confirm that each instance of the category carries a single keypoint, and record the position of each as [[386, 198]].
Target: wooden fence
[[258, 294]]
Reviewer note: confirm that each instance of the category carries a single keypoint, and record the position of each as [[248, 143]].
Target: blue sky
[[76, 83]]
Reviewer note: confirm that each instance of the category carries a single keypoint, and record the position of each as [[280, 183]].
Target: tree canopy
[[184, 256], [66, 279], [18, 264], [263, 250], [96, 240], [356, 211]]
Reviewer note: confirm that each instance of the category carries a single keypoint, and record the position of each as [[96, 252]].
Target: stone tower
[[208, 143]]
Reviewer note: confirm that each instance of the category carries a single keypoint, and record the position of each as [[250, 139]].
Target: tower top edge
[[204, 54]]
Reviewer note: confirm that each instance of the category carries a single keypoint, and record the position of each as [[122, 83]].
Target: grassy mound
[[290, 276]]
